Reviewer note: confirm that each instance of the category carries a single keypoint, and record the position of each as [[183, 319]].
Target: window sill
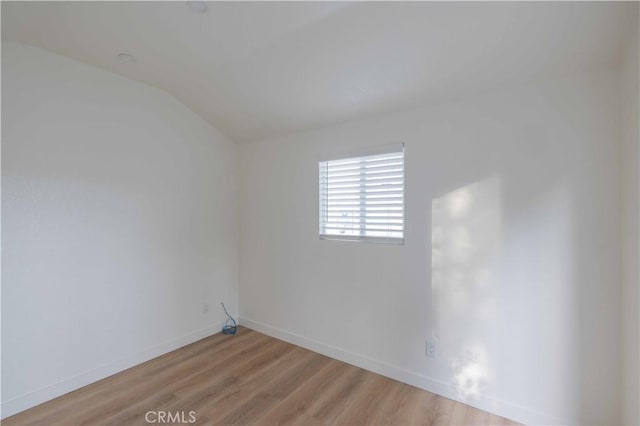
[[374, 240]]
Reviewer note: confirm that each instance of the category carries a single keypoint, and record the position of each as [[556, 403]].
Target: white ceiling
[[261, 69]]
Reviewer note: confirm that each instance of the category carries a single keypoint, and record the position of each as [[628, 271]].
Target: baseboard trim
[[31, 399], [493, 405]]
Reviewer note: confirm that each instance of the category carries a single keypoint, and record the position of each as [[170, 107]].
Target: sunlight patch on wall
[[470, 372], [466, 235]]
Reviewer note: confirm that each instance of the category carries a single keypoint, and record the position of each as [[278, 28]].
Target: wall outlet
[[205, 308], [430, 349]]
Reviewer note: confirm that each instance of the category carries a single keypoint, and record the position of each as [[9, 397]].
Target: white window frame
[[323, 211]]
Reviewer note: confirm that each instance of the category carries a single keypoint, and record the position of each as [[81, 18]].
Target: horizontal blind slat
[[367, 159], [392, 226], [348, 193], [363, 171], [372, 204], [368, 216], [368, 184], [368, 166], [372, 178], [393, 229], [372, 209], [376, 200]]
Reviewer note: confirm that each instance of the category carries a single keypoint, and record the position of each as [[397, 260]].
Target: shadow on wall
[[466, 235]]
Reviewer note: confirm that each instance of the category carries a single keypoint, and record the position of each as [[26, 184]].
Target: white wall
[[630, 193], [528, 329], [120, 221]]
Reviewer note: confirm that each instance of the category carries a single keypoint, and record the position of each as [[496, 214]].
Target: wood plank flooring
[[250, 379]]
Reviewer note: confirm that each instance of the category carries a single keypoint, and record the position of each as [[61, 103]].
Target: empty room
[[320, 213]]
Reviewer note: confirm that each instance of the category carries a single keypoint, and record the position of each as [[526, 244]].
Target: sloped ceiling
[[262, 69]]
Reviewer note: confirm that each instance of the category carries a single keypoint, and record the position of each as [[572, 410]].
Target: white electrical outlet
[[205, 308], [430, 349]]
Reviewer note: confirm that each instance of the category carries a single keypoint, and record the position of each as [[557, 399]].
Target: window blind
[[362, 198]]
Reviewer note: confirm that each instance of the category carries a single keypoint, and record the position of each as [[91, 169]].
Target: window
[[362, 198]]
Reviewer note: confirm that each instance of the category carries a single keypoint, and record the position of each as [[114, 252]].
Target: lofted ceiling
[[262, 69]]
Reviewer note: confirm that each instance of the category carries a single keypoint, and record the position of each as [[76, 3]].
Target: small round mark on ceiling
[[197, 6]]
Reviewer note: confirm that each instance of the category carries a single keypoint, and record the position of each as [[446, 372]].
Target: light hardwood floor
[[251, 379]]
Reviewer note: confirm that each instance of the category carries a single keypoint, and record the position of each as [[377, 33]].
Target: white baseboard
[[492, 405], [31, 399]]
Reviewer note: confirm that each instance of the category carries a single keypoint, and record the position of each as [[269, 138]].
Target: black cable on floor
[[230, 326]]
